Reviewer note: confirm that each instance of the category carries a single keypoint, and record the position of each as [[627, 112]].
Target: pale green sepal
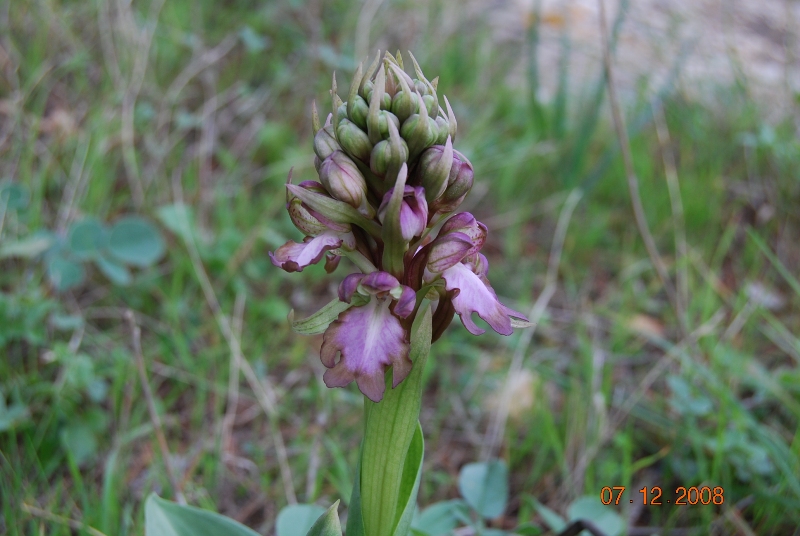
[[319, 321], [425, 81], [328, 523], [451, 120], [517, 323], [166, 518], [335, 102], [394, 247], [368, 73], [387, 491], [420, 137], [315, 124], [335, 210]]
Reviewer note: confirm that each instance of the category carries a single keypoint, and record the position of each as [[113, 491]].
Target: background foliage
[[143, 152]]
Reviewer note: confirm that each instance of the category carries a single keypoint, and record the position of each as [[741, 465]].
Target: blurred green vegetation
[[199, 109]]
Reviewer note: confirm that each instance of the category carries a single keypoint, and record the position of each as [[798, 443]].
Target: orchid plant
[[390, 184]]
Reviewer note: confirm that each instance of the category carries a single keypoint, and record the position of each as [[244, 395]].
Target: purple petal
[[331, 262], [477, 296], [377, 282], [348, 287], [413, 211], [370, 339], [462, 219], [464, 222], [293, 257], [406, 303], [448, 250]]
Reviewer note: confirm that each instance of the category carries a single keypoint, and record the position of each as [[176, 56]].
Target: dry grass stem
[[498, 425], [136, 338], [632, 179], [71, 523], [263, 390]]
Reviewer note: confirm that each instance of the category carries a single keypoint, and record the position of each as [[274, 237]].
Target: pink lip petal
[[370, 339], [405, 305], [293, 257], [476, 296], [348, 287], [379, 282]]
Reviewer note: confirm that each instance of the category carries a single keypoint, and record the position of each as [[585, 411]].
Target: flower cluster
[[388, 179]]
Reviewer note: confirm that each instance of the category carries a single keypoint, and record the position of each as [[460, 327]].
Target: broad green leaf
[[14, 196], [550, 518], [388, 492], [440, 518], [66, 322], [484, 486], [166, 518], [27, 247], [297, 519], [86, 238], [13, 415], [64, 274], [134, 240], [80, 441], [589, 508], [114, 271], [328, 523]]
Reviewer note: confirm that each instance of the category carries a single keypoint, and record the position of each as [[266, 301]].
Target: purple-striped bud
[[458, 185], [310, 222], [353, 140], [434, 169], [342, 179], [444, 130], [466, 224], [325, 143], [413, 211], [447, 251]]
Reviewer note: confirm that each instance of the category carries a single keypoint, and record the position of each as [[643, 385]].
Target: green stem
[[390, 427]]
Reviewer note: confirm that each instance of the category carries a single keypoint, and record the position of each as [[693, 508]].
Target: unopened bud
[[434, 169], [413, 216], [444, 130], [360, 111], [382, 158], [354, 140], [383, 122], [419, 138], [324, 142], [458, 185], [431, 105], [308, 221], [404, 105], [342, 179]]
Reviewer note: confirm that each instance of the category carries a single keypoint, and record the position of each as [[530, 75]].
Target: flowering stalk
[[388, 175]]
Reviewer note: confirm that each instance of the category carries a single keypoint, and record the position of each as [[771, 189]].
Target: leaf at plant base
[[484, 486], [493, 532], [550, 518], [27, 247], [13, 415], [409, 488], [589, 508], [64, 273], [14, 196], [86, 238], [134, 240], [440, 518], [528, 529], [166, 518], [297, 519], [114, 271], [328, 523], [80, 441]]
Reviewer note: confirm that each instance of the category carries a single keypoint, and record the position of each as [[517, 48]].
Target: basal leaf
[[485, 487], [64, 274], [87, 238], [116, 272], [297, 519], [134, 240], [166, 518], [589, 508]]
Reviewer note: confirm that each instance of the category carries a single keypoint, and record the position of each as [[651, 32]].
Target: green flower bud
[[434, 169], [360, 111], [325, 143], [429, 135], [444, 130], [404, 105], [366, 90], [382, 157], [342, 111], [421, 87], [383, 122], [354, 140], [342, 179], [459, 184], [431, 105]]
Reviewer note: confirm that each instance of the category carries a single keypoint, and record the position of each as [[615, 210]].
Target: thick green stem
[[390, 427]]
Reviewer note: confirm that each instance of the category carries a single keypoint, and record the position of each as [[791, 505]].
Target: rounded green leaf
[[114, 271], [485, 487], [86, 238], [590, 508], [441, 518], [297, 519], [135, 241], [166, 518], [14, 196], [64, 274]]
